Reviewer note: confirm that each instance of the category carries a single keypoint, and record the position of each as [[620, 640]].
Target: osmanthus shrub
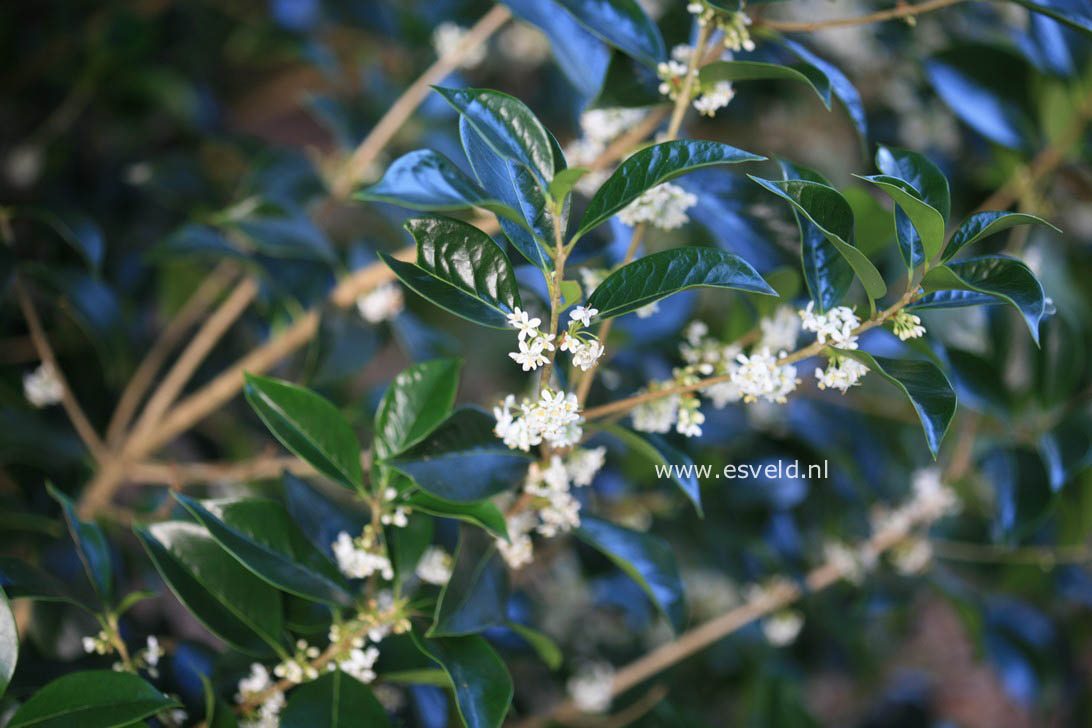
[[492, 515]]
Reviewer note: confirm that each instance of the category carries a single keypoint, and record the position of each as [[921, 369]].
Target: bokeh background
[[136, 120]]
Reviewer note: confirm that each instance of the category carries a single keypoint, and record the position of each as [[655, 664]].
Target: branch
[[899, 11], [179, 475], [45, 353], [145, 372], [408, 102]]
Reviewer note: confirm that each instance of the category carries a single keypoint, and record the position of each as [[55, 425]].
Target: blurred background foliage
[[146, 141]]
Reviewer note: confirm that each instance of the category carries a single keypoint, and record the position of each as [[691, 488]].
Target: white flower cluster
[[714, 98], [656, 415], [733, 26], [253, 685], [907, 326], [591, 688], [553, 418], [931, 500], [362, 556], [100, 644], [664, 206], [600, 127], [852, 563], [148, 657], [780, 331], [761, 375], [533, 343], [394, 513], [434, 566], [912, 556], [842, 372], [835, 327], [584, 347], [554, 509], [673, 73], [298, 667], [43, 387], [381, 304], [447, 37], [782, 627]]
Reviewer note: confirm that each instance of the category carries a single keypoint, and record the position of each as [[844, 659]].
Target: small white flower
[[656, 415], [530, 355], [714, 99], [782, 627], [591, 688], [760, 375], [399, 518], [446, 39], [358, 562], [845, 560], [434, 566], [583, 464], [381, 304], [43, 387], [587, 354], [835, 327], [528, 327], [907, 326], [359, 663], [583, 315], [518, 551], [842, 372], [779, 332]]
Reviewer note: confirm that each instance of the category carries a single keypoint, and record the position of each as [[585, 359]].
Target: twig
[[1044, 556], [408, 102], [899, 11], [183, 474], [45, 352], [145, 372]]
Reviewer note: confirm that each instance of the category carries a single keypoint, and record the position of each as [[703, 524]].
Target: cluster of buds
[[583, 345], [362, 556]]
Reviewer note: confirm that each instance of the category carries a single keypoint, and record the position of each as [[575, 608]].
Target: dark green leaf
[[1005, 278], [545, 647], [77, 229], [418, 400], [91, 699], [481, 513], [984, 224], [653, 166], [217, 713], [309, 426], [928, 390], [9, 642], [621, 23], [825, 208], [648, 560], [463, 460], [514, 185], [334, 700], [658, 451], [288, 237], [507, 126], [460, 269], [828, 275], [581, 56], [840, 85], [91, 545], [20, 580], [1074, 13], [661, 274], [483, 687], [476, 596], [919, 172], [427, 180], [228, 599], [262, 536], [927, 220], [754, 71]]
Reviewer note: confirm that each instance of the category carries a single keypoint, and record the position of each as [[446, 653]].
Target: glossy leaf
[[735, 71], [20, 580], [227, 598], [661, 274], [564, 181], [983, 224], [658, 451], [927, 220], [319, 516], [827, 273], [91, 546], [1074, 13], [930, 184], [309, 426], [218, 714], [262, 536], [9, 642], [336, 700], [483, 687], [580, 55], [460, 269], [621, 23], [91, 699], [417, 400], [463, 460], [653, 166], [648, 560], [543, 646], [514, 185], [840, 85], [476, 596], [480, 513], [1004, 278], [928, 390], [507, 126], [825, 208], [427, 180]]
